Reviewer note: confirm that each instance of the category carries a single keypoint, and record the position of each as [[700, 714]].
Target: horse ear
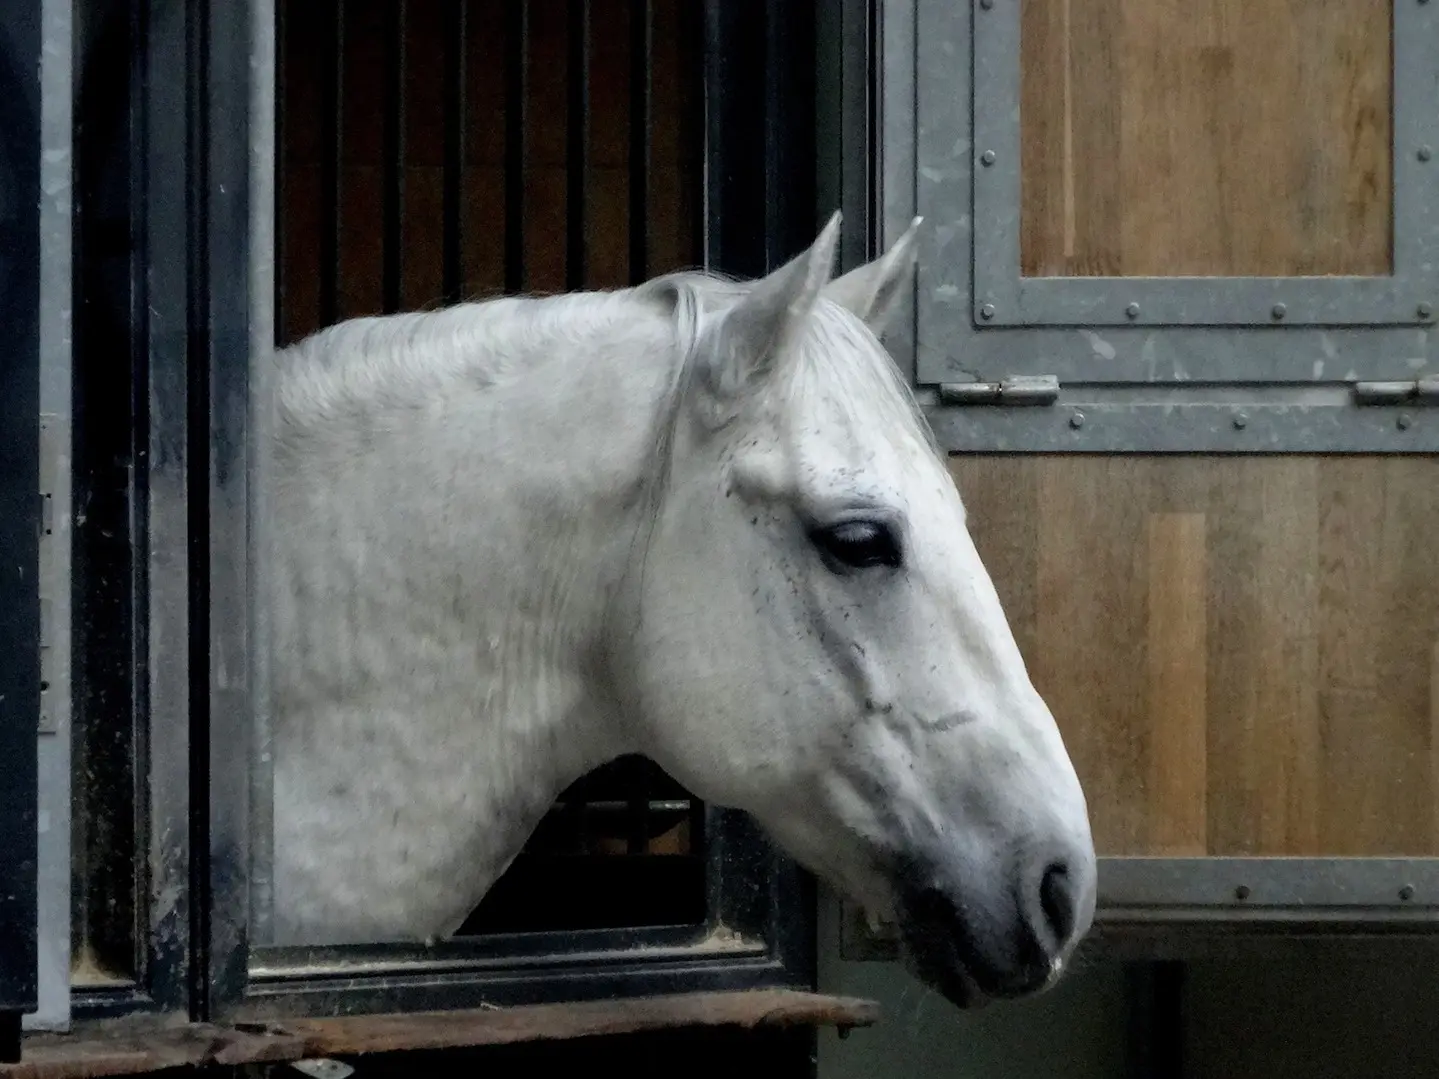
[[872, 291], [757, 329]]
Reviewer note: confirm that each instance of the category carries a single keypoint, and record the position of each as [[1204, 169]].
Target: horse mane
[[373, 362]]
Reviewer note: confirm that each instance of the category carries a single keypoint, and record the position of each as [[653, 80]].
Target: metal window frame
[[1408, 296], [152, 134], [1132, 385], [21, 295], [1177, 905]]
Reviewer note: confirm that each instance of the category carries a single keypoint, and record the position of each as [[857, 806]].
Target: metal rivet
[[1278, 310], [987, 311], [1242, 892], [1424, 153], [1424, 310], [1406, 893], [1077, 420], [987, 158], [987, 4], [1132, 310], [1403, 421], [1241, 421]]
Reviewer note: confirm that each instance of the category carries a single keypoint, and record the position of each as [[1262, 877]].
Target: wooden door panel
[[1206, 137], [1242, 652]]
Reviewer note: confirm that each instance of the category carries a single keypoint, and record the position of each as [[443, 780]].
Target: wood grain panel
[[1206, 137], [1176, 707], [1242, 652]]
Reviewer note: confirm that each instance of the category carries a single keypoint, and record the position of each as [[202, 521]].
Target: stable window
[[244, 173]]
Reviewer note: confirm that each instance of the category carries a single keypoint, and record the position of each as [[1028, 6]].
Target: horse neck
[[443, 586]]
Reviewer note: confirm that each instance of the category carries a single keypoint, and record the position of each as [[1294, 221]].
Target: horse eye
[[857, 545]]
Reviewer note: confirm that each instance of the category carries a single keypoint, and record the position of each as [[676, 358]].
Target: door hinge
[[1412, 391], [1015, 390]]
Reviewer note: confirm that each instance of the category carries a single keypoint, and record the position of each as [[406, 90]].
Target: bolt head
[[1406, 893], [986, 4], [1242, 892], [1278, 311], [987, 158], [1132, 310], [1424, 153], [1077, 420], [1403, 421], [987, 311], [1425, 310], [1241, 421]]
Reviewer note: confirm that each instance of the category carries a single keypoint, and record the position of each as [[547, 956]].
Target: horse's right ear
[[751, 335], [872, 291]]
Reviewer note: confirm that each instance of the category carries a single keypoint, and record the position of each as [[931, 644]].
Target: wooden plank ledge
[[137, 1047]]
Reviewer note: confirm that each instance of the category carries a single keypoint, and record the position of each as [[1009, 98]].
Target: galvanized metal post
[[20, 524]]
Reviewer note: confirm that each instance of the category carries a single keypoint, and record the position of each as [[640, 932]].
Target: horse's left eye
[[857, 545]]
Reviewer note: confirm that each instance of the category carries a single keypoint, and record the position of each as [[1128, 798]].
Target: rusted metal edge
[[135, 1047]]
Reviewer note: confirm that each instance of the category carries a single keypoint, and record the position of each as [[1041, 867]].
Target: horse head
[[818, 643]]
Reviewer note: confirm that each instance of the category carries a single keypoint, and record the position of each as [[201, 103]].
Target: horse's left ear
[[758, 328], [871, 291]]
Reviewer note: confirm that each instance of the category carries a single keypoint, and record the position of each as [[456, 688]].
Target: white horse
[[698, 520]]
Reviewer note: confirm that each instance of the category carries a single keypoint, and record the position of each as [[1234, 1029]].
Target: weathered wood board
[[1242, 652]]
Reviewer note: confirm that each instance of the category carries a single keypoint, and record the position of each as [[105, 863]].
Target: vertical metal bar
[[160, 268], [641, 65], [265, 25], [393, 209], [577, 134], [57, 565], [222, 702], [196, 165], [453, 273], [774, 106], [693, 24], [277, 304], [20, 514], [281, 170], [332, 101], [737, 139], [517, 60]]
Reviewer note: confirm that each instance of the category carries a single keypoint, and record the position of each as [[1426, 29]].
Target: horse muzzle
[[1006, 938]]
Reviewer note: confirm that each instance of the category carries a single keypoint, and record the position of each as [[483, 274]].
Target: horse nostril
[[1056, 900]]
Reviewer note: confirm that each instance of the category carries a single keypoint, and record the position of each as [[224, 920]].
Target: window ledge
[[134, 1047]]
